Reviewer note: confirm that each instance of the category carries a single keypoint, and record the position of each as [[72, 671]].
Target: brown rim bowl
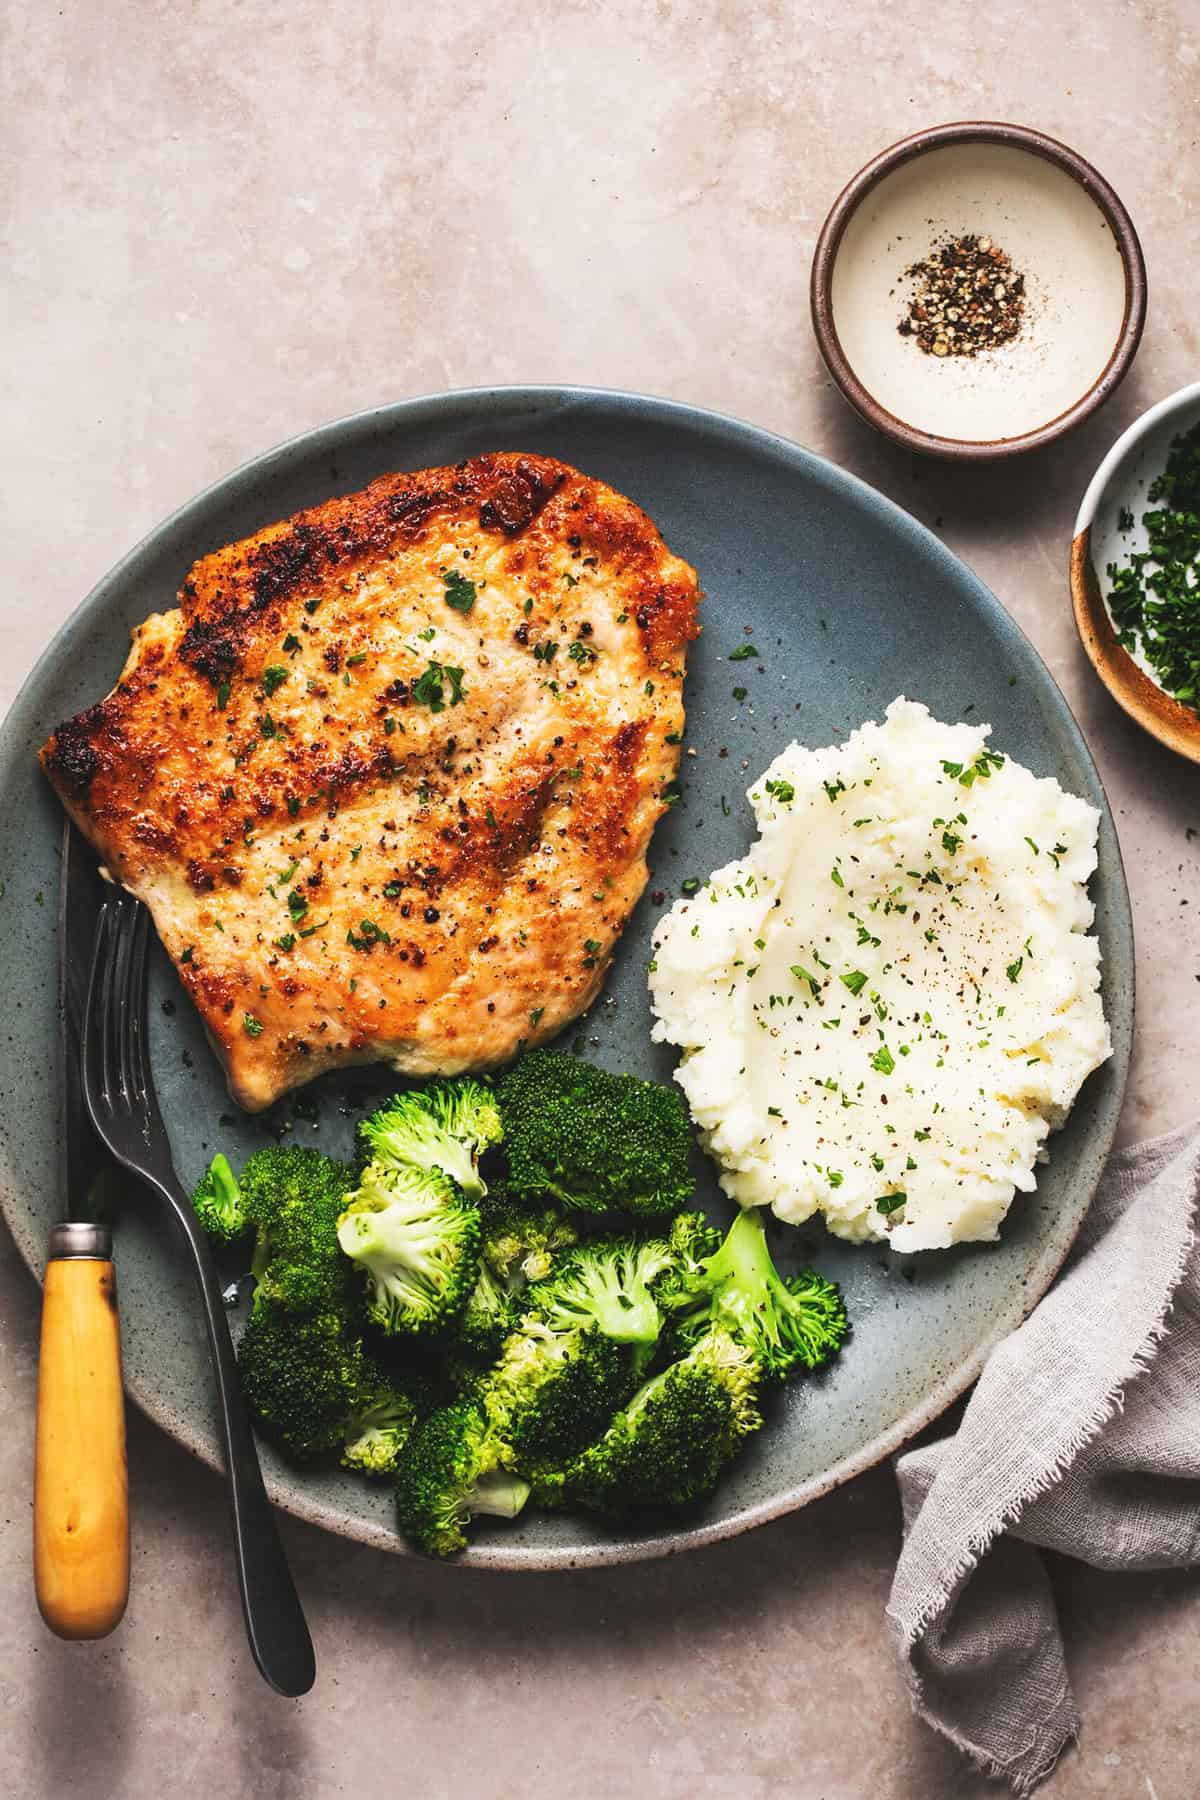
[[1119, 486], [829, 243]]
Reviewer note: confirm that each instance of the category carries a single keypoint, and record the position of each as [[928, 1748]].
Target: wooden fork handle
[[80, 1490]]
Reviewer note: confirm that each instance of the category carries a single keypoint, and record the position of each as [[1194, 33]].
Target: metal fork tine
[[94, 1025], [109, 1066], [119, 1022], [134, 1002]]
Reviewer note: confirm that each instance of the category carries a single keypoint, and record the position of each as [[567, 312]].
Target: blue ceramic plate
[[851, 603]]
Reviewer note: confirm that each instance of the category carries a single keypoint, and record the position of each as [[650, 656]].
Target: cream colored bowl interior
[[1056, 236]]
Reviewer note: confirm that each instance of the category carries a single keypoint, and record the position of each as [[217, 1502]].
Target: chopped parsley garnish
[[855, 980], [393, 890], [356, 853], [369, 934], [1153, 597], [890, 1203], [535, 1016], [739, 694], [460, 593], [297, 904], [429, 688], [583, 654], [186, 955], [293, 805], [274, 677], [691, 885], [1013, 969], [251, 1026], [546, 651], [803, 974], [360, 656], [1033, 846], [223, 692], [287, 941], [833, 789], [883, 1060], [743, 653], [834, 1177], [835, 875], [291, 643], [950, 843], [781, 790]]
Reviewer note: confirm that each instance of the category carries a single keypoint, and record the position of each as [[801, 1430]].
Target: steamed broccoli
[[670, 1444], [521, 1239], [800, 1321], [451, 1468], [488, 1316], [301, 1377], [592, 1140], [689, 1240], [444, 1126], [294, 1198], [382, 1420], [218, 1203], [417, 1242], [552, 1391], [606, 1284]]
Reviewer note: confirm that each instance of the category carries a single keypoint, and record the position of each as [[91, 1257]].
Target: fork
[[119, 1091]]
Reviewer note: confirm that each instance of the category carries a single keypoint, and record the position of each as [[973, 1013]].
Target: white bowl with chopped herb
[[1135, 571]]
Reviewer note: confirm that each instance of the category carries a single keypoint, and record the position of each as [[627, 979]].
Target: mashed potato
[[886, 1006]]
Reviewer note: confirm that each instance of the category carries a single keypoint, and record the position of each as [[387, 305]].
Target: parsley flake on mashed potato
[[887, 1005]]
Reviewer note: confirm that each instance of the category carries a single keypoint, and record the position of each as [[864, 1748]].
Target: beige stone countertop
[[228, 221]]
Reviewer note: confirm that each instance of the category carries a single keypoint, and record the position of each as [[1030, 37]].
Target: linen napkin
[[1083, 1436]]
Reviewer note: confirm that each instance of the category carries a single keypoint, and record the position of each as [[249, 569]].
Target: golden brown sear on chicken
[[387, 777]]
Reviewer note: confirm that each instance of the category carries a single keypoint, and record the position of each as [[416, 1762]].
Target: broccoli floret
[[443, 1126], [487, 1318], [383, 1419], [607, 1284], [417, 1242], [451, 1469], [218, 1203], [670, 1444], [689, 1240], [301, 1377], [592, 1140], [294, 1198], [800, 1321], [551, 1392], [521, 1239]]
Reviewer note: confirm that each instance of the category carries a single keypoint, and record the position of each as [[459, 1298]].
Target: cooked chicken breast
[[387, 777]]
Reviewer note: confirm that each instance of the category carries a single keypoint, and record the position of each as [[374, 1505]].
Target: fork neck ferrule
[[77, 1239]]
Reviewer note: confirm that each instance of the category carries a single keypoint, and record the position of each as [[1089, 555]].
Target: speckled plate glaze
[[852, 602]]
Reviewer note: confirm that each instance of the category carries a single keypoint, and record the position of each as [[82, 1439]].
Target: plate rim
[[289, 1493]]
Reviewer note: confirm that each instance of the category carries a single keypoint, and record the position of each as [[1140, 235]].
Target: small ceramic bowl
[[1109, 527], [1063, 228]]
